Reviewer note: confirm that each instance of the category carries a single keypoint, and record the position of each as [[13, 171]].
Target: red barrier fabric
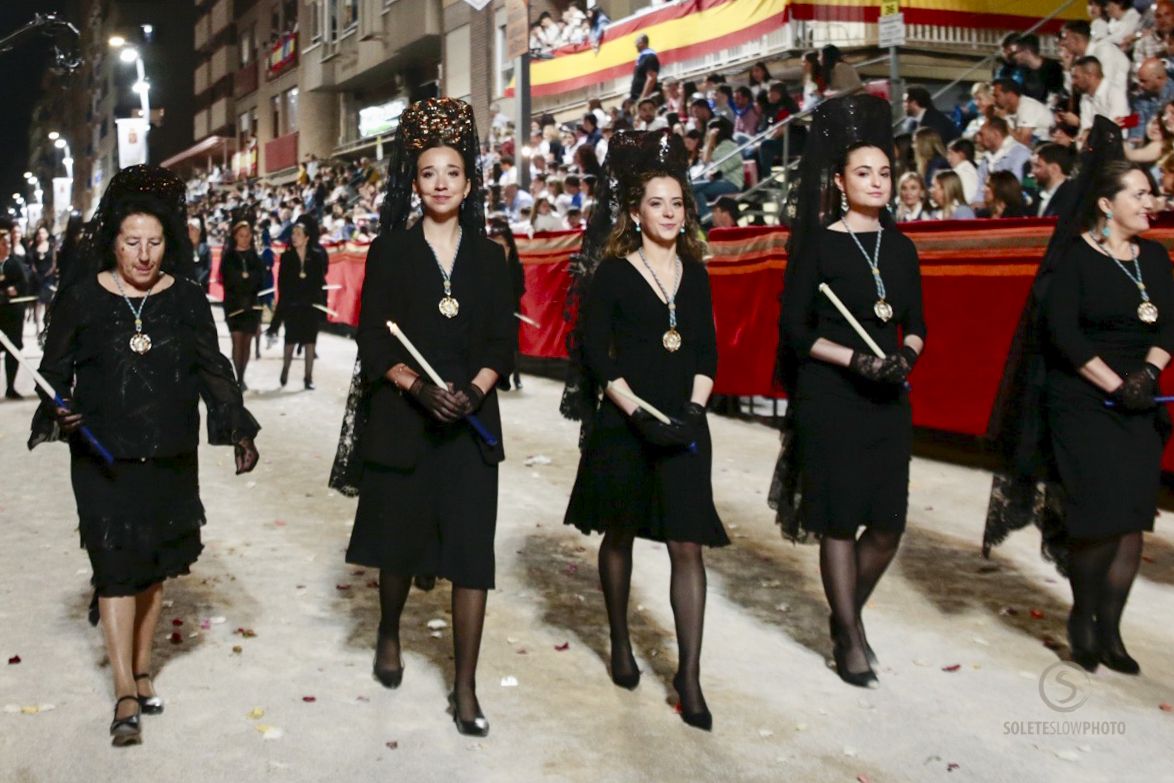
[[545, 261]]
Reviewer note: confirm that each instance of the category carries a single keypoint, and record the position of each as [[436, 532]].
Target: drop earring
[[637, 228], [1105, 228], [843, 203], [682, 229]]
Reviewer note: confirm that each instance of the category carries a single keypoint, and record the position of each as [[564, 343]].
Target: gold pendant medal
[[140, 343], [883, 310], [671, 340], [449, 307], [1147, 312]]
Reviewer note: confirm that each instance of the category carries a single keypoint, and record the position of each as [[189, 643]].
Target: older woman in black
[[853, 425], [241, 273], [1109, 316], [427, 484], [647, 328], [300, 282], [14, 284], [131, 340]]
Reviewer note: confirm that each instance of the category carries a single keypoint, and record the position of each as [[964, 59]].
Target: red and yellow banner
[[981, 14]]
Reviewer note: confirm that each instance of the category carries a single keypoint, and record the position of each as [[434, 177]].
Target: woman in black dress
[[43, 265], [1110, 327], [500, 232], [132, 347], [647, 328], [852, 424], [300, 294], [242, 274], [427, 485], [14, 284]]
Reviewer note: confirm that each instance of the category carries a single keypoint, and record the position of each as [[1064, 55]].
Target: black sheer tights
[[468, 620], [687, 596], [1101, 573], [240, 353], [850, 569]]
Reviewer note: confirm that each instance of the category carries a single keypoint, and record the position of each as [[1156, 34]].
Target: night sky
[[20, 77]]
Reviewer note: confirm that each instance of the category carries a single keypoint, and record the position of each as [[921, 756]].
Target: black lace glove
[[470, 397], [893, 368], [675, 434], [246, 455], [695, 419], [1137, 392], [441, 403], [67, 421]]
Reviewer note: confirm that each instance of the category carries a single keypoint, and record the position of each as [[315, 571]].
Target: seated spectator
[[1154, 90], [910, 198], [1043, 77], [675, 99], [1097, 96], [983, 95], [812, 85], [903, 159], [509, 172], [1029, 119], [1166, 181], [725, 212], [515, 200], [746, 116], [700, 114], [1098, 20], [945, 191], [588, 201], [1051, 165], [590, 126], [1124, 21], [1003, 196], [521, 223], [921, 113], [575, 219], [759, 78], [929, 154], [545, 218], [723, 102], [728, 176], [587, 162], [694, 148], [571, 196], [960, 155], [647, 120], [1005, 65], [1003, 152], [838, 77], [1159, 138]]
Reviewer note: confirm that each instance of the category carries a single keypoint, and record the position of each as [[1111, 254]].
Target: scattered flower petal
[[176, 637], [12, 709], [436, 624], [1166, 707], [236, 648], [953, 667], [30, 709], [391, 744], [509, 682], [14, 660], [536, 459], [309, 699], [342, 587], [849, 751], [563, 646], [218, 620], [1051, 642], [1036, 614], [205, 625], [177, 622], [951, 766], [800, 727], [764, 733], [1008, 611], [255, 714], [247, 633]]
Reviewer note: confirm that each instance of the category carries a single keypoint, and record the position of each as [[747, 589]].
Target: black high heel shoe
[[478, 727], [868, 653], [126, 731], [702, 719], [864, 679], [309, 384], [387, 677], [629, 681], [1083, 650], [284, 379], [1115, 657], [150, 705]]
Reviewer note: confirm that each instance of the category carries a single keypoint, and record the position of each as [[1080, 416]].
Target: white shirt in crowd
[[1033, 114], [1125, 28], [1115, 66], [968, 173], [1105, 101]]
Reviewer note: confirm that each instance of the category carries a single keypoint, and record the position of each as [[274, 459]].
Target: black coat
[[403, 285], [933, 118], [13, 274], [1061, 202]]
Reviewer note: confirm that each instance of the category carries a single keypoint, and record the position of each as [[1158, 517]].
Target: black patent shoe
[[284, 379], [630, 680], [424, 582], [864, 679], [868, 653], [478, 727], [702, 719], [13, 394], [1121, 662], [1083, 648], [310, 384], [387, 676], [150, 705], [126, 731]]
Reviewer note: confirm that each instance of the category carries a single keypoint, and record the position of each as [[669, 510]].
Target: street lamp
[[60, 143], [129, 55]]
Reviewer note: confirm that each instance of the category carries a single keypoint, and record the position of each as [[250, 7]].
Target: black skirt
[[661, 494], [854, 463], [139, 519], [437, 518], [1109, 461], [247, 322], [301, 324]]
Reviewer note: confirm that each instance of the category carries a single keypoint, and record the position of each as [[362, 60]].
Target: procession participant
[[14, 284], [300, 282], [132, 347], [427, 485], [646, 327], [849, 437], [241, 274]]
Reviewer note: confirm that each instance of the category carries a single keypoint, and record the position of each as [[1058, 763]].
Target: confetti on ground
[[176, 637], [14, 660], [177, 622], [236, 648], [269, 732], [536, 459], [255, 714], [1036, 614], [1166, 707], [309, 699], [247, 633], [562, 647], [509, 682], [437, 624], [391, 744], [953, 667]]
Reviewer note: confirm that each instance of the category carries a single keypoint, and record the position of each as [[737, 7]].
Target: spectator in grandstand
[[590, 127], [929, 153], [723, 101], [1159, 138], [983, 95], [1151, 41], [1124, 21], [645, 72], [960, 154], [1154, 90], [910, 198], [575, 219], [1098, 20], [724, 164], [1005, 66], [812, 81], [946, 192], [725, 212], [700, 113], [1097, 95], [759, 79], [1003, 196], [1051, 166], [587, 163], [1004, 153], [1166, 182], [571, 195], [921, 113], [1114, 65], [598, 21], [1043, 77], [646, 117], [837, 76], [201, 253], [515, 200], [1029, 119], [747, 118], [903, 159], [675, 99]]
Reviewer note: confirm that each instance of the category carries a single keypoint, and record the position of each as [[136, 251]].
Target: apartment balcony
[[245, 80], [281, 153]]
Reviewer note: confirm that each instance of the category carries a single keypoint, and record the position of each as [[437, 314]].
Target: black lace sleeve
[[228, 420], [57, 366]]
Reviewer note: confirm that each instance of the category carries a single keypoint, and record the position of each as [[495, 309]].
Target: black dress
[[298, 290], [140, 518], [1109, 460], [623, 482], [13, 274], [428, 491], [853, 437], [242, 274], [44, 277]]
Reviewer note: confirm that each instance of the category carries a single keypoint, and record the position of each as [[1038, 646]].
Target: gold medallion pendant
[[671, 340], [140, 343], [449, 307], [883, 310], [1147, 312]]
